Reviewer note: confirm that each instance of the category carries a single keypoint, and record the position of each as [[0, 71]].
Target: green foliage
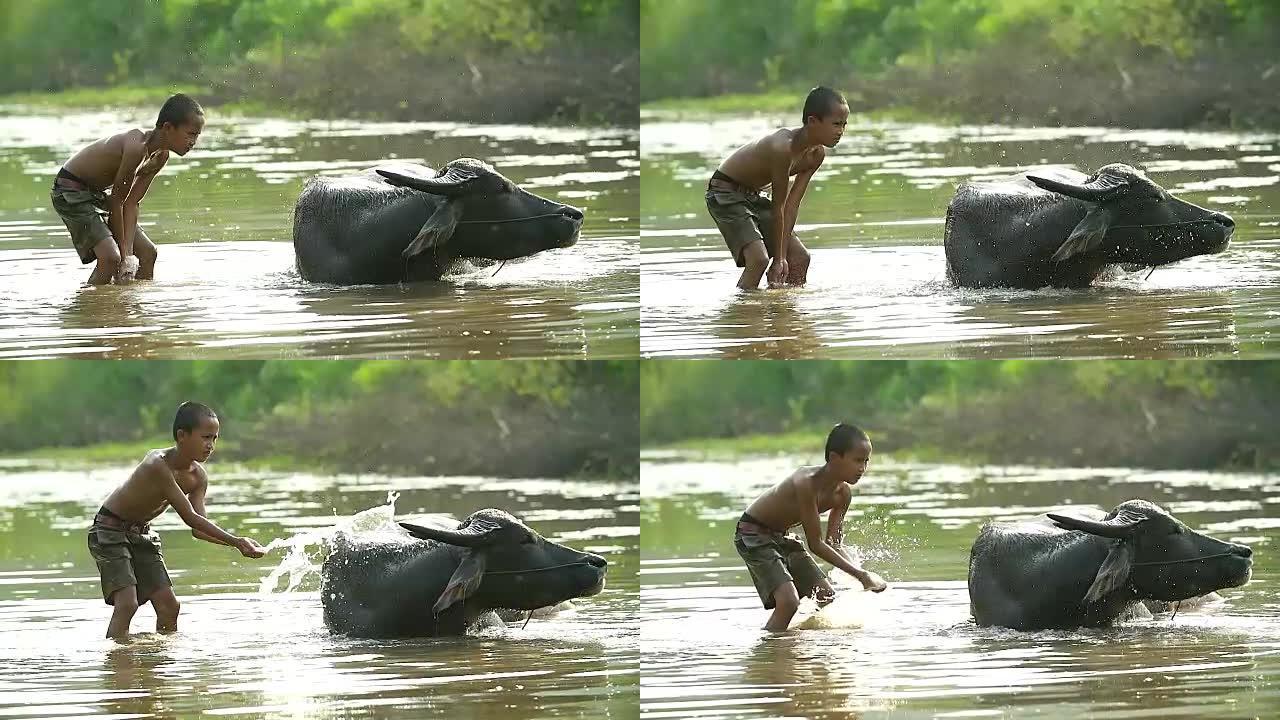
[[1162, 414], [55, 44], [699, 47], [446, 416]]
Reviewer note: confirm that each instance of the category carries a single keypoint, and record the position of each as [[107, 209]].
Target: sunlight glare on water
[[873, 221], [913, 651], [226, 287]]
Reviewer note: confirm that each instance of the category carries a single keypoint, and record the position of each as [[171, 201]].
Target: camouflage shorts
[[81, 211], [128, 558], [774, 559], [742, 218]]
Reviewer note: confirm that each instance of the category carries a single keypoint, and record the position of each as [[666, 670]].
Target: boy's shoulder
[[153, 463]]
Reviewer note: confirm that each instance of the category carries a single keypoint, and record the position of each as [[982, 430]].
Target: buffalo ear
[[464, 582], [1114, 573], [437, 230], [1087, 235]]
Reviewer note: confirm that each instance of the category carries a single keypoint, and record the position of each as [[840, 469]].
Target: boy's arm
[[123, 215], [779, 179], [797, 190], [813, 533], [197, 497], [835, 521], [178, 499]]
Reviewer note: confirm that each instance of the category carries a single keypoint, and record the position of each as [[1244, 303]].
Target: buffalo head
[[505, 564], [485, 215], [1158, 556], [1130, 219]]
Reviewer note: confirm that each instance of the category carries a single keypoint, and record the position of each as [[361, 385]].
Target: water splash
[[852, 608], [306, 551]]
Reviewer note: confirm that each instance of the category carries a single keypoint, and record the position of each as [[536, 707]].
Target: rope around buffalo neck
[[512, 220], [1185, 560], [535, 570], [1161, 225]]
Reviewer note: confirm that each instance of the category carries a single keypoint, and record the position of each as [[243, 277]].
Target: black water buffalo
[[1062, 228], [405, 222], [439, 587], [1064, 571]]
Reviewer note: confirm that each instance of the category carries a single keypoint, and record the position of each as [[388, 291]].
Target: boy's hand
[[152, 164], [873, 582], [777, 273], [128, 269], [250, 548]]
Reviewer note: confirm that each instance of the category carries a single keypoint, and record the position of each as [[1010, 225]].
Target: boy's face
[[198, 443], [828, 129], [850, 466], [181, 138]]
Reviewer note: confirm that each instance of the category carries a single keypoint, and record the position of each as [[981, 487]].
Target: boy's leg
[[166, 606], [108, 254], [124, 603], [807, 575], [732, 214], [146, 252], [797, 261], [786, 601], [755, 261]]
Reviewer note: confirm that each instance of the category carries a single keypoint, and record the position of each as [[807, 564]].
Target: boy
[[121, 541], [780, 568], [125, 163], [757, 228]]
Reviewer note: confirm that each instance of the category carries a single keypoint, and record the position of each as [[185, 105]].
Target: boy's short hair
[[821, 102], [843, 437], [189, 416], [178, 109]]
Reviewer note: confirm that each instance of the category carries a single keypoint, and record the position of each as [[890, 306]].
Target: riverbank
[[231, 454], [1225, 93]]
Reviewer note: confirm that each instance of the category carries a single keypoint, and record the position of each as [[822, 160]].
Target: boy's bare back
[[780, 508], [144, 496], [753, 164], [99, 163]]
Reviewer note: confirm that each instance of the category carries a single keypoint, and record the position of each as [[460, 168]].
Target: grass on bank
[[809, 442], [787, 102], [130, 453], [145, 97]]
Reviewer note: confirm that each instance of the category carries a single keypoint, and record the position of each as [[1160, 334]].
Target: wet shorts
[[774, 558], [126, 557], [742, 215], [82, 211]]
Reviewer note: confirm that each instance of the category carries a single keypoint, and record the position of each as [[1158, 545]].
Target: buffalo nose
[[596, 560], [1242, 550], [1223, 220], [571, 212]]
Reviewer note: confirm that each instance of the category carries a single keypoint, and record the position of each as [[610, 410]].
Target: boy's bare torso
[[141, 498], [98, 163], [752, 164], [779, 507]]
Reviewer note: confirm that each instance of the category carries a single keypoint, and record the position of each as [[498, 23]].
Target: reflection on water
[[226, 286], [247, 650], [877, 288], [912, 651]]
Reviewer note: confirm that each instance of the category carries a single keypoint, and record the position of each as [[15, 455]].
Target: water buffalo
[[1062, 228], [405, 222], [439, 587], [1064, 571]]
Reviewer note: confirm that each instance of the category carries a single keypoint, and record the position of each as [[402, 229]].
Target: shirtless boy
[[121, 540], [757, 228], [780, 568], [125, 164]]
